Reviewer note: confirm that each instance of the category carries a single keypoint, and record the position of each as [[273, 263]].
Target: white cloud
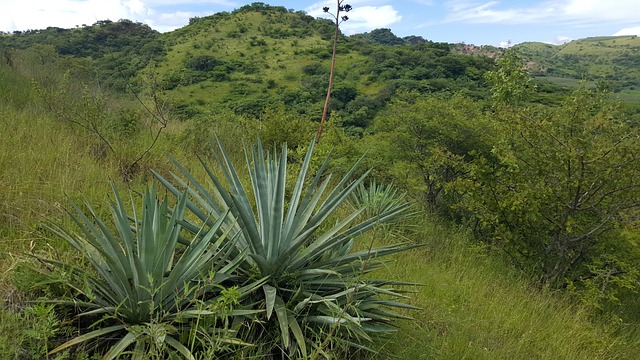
[[368, 18], [361, 18], [170, 21], [191, 2], [37, 14], [424, 2], [567, 11], [136, 6], [602, 9], [628, 31], [464, 11], [561, 39]]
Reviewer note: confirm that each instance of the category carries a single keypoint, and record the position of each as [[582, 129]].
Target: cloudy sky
[[470, 21]]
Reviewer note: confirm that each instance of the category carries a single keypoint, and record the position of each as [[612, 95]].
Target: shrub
[[316, 292], [203, 63], [151, 294]]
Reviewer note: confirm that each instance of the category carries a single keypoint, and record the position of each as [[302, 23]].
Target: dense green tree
[[202, 63], [381, 36], [426, 143], [510, 83], [564, 185]]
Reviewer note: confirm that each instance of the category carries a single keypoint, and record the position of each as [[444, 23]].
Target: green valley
[[165, 195]]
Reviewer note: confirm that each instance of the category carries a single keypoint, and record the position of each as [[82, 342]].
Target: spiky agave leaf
[[309, 269], [140, 275]]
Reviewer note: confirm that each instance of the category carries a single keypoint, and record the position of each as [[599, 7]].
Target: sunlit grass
[[40, 164], [476, 307]]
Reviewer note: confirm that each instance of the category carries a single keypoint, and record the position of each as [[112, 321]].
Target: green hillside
[[262, 57], [473, 304], [256, 58], [610, 58], [166, 196]]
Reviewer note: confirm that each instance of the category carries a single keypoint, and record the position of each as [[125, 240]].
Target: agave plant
[[315, 279], [376, 198], [144, 285]]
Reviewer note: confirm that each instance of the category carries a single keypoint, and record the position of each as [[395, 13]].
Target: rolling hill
[[615, 59], [262, 57], [255, 58]]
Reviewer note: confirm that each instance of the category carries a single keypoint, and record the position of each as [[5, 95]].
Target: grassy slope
[[475, 307], [610, 57], [609, 48], [40, 162], [233, 38], [606, 46]]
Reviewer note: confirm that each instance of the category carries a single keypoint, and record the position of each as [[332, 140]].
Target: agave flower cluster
[[288, 253]]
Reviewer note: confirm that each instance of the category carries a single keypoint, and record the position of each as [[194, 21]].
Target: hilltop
[[615, 59], [259, 57], [262, 57]]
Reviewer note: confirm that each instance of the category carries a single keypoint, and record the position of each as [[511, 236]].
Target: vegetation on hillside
[[489, 215], [255, 59], [610, 58]]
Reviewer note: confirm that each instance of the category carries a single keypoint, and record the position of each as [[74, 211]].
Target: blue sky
[[470, 21]]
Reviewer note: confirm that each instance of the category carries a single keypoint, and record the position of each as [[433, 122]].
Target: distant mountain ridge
[[615, 59], [262, 57]]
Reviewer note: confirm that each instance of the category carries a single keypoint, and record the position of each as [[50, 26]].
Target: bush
[[564, 185], [316, 293], [203, 63], [151, 295]]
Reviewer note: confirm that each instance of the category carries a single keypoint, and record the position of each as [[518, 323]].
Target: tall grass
[[40, 162], [476, 307]]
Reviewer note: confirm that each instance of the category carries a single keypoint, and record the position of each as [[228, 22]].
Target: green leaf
[[121, 346], [82, 338], [270, 298], [308, 263], [283, 320], [139, 272], [180, 348], [297, 334]]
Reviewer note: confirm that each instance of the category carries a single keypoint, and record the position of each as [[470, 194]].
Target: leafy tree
[[384, 37], [315, 68], [426, 144], [563, 186], [510, 82], [203, 63]]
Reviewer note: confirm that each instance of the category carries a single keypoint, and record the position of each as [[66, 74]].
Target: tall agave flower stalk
[[337, 20], [315, 278]]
